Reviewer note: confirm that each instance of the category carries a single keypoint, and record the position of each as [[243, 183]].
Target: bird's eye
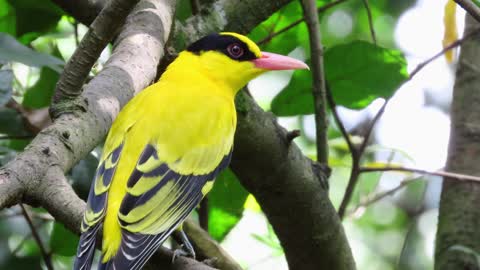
[[235, 51]]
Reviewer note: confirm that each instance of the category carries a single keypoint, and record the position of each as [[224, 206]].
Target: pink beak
[[272, 61]]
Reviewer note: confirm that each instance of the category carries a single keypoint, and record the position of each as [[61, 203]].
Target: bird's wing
[[158, 199], [96, 207]]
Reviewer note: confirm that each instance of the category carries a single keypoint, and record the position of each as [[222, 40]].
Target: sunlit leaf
[[357, 73], [63, 241], [40, 94], [12, 50], [225, 202]]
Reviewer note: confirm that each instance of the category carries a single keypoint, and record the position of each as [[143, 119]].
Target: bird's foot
[[184, 250]]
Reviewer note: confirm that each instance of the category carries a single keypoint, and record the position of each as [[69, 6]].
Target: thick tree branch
[[459, 218], [100, 33], [289, 188], [130, 69], [318, 89]]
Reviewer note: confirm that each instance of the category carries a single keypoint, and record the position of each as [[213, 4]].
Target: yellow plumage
[[163, 152]]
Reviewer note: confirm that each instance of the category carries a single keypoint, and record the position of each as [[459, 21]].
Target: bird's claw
[[183, 251]]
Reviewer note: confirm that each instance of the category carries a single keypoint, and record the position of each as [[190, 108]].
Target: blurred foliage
[[36, 39], [226, 201]]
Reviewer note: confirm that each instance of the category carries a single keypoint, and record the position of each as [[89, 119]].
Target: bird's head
[[234, 59]]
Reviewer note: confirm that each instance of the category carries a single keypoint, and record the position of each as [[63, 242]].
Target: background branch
[[299, 21], [470, 8], [46, 257], [318, 74], [370, 21]]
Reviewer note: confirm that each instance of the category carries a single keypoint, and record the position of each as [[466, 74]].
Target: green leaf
[[360, 72], [225, 203], [6, 80], [183, 10], [63, 241], [37, 17], [11, 122], [12, 50], [7, 18], [357, 73], [287, 41], [40, 94]]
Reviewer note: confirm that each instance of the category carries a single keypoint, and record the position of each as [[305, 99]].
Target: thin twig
[[46, 256], [318, 74], [452, 45], [470, 8], [195, 5], [357, 155], [370, 21], [379, 196], [369, 130], [457, 176], [338, 121], [297, 22]]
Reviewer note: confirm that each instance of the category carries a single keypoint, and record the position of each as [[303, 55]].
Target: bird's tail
[[86, 249]]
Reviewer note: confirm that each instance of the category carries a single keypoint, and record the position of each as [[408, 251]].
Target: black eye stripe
[[220, 43]]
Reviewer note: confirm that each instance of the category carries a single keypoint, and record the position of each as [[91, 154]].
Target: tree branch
[[451, 46], [377, 197], [470, 8], [357, 155], [457, 176], [318, 89], [289, 188], [100, 33], [130, 69]]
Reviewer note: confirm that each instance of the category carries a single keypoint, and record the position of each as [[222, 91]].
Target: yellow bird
[[166, 147]]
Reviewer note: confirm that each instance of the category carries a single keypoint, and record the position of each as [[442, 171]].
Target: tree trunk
[[458, 235]]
